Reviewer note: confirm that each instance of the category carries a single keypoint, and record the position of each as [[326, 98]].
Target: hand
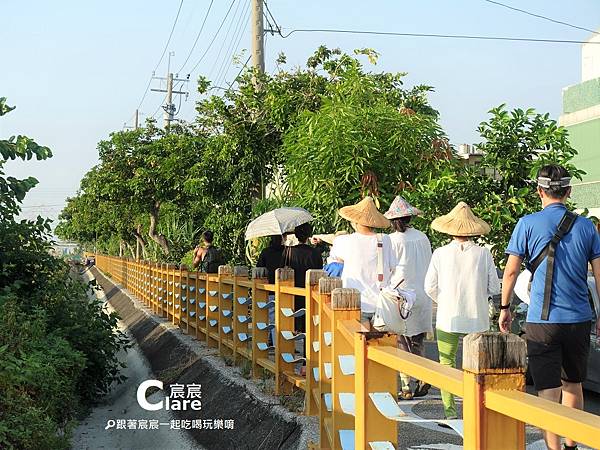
[[315, 240], [505, 320]]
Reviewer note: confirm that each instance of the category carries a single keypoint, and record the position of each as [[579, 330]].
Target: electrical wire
[[216, 60], [238, 74], [539, 16], [277, 27], [233, 46], [197, 37], [213, 39], [446, 36], [161, 56]]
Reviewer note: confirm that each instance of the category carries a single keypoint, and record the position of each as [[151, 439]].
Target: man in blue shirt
[[557, 348]]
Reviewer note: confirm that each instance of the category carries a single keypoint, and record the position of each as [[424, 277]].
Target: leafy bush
[[58, 348]]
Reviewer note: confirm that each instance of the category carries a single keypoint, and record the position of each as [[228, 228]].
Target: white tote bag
[[392, 309]]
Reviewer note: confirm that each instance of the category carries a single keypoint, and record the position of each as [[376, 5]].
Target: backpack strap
[[380, 259], [565, 225]]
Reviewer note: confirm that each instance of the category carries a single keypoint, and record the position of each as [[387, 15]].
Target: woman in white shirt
[[413, 252], [359, 253], [460, 279]]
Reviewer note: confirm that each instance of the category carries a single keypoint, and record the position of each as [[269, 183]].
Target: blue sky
[[77, 70]]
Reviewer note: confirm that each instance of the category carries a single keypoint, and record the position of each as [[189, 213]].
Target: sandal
[[422, 389], [405, 395]]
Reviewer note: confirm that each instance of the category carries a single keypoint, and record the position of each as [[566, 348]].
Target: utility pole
[[136, 121], [169, 106], [258, 38]]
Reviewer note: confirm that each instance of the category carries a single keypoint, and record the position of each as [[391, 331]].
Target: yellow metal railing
[[351, 375]]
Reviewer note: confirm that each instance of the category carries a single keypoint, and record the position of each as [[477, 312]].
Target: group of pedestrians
[[460, 277], [557, 246]]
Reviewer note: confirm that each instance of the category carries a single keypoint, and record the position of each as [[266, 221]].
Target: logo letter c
[[141, 395]]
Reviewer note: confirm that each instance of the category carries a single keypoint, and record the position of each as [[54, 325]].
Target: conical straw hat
[[401, 208], [364, 213], [461, 222]]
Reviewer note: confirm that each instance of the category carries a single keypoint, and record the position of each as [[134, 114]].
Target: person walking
[[208, 257], [460, 279], [556, 246], [301, 258], [367, 256], [413, 253], [271, 259]]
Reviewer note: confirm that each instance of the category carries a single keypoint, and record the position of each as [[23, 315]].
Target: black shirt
[[271, 258], [301, 258]]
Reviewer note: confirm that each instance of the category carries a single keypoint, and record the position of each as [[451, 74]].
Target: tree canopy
[[325, 135]]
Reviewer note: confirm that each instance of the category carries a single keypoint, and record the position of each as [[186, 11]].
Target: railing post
[[224, 305], [312, 339], [326, 286], [212, 310], [492, 361], [283, 277], [240, 273], [345, 305], [260, 337], [370, 378]]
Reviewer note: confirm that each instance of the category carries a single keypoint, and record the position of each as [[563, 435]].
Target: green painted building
[[581, 116]]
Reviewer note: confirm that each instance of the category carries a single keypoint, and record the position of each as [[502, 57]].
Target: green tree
[[58, 348]]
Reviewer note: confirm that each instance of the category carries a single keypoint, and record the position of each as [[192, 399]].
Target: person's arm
[[198, 256], [596, 272], [493, 281], [431, 279], [511, 272]]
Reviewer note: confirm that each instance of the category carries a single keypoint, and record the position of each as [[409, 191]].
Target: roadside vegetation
[[318, 136], [58, 349]]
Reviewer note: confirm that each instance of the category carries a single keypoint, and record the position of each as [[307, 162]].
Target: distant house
[[581, 116]]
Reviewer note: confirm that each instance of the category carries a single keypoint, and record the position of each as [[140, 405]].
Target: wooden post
[[259, 315], [492, 361], [326, 286], [345, 305], [240, 273], [283, 277], [224, 305], [312, 339]]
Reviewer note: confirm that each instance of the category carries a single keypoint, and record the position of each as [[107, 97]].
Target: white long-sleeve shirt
[[359, 254], [460, 279], [413, 251]]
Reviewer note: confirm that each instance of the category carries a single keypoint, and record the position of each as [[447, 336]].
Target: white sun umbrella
[[277, 222]]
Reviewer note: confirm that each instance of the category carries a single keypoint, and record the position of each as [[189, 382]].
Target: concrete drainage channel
[[260, 421]]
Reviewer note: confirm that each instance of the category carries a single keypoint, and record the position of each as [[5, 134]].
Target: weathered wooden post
[[283, 277], [312, 340], [240, 310], [345, 305], [492, 361], [260, 336]]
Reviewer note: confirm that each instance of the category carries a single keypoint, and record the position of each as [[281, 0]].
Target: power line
[[539, 16], [170, 36], [238, 74], [197, 37], [277, 27], [161, 56], [216, 60], [233, 46], [447, 36], [213, 39]]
